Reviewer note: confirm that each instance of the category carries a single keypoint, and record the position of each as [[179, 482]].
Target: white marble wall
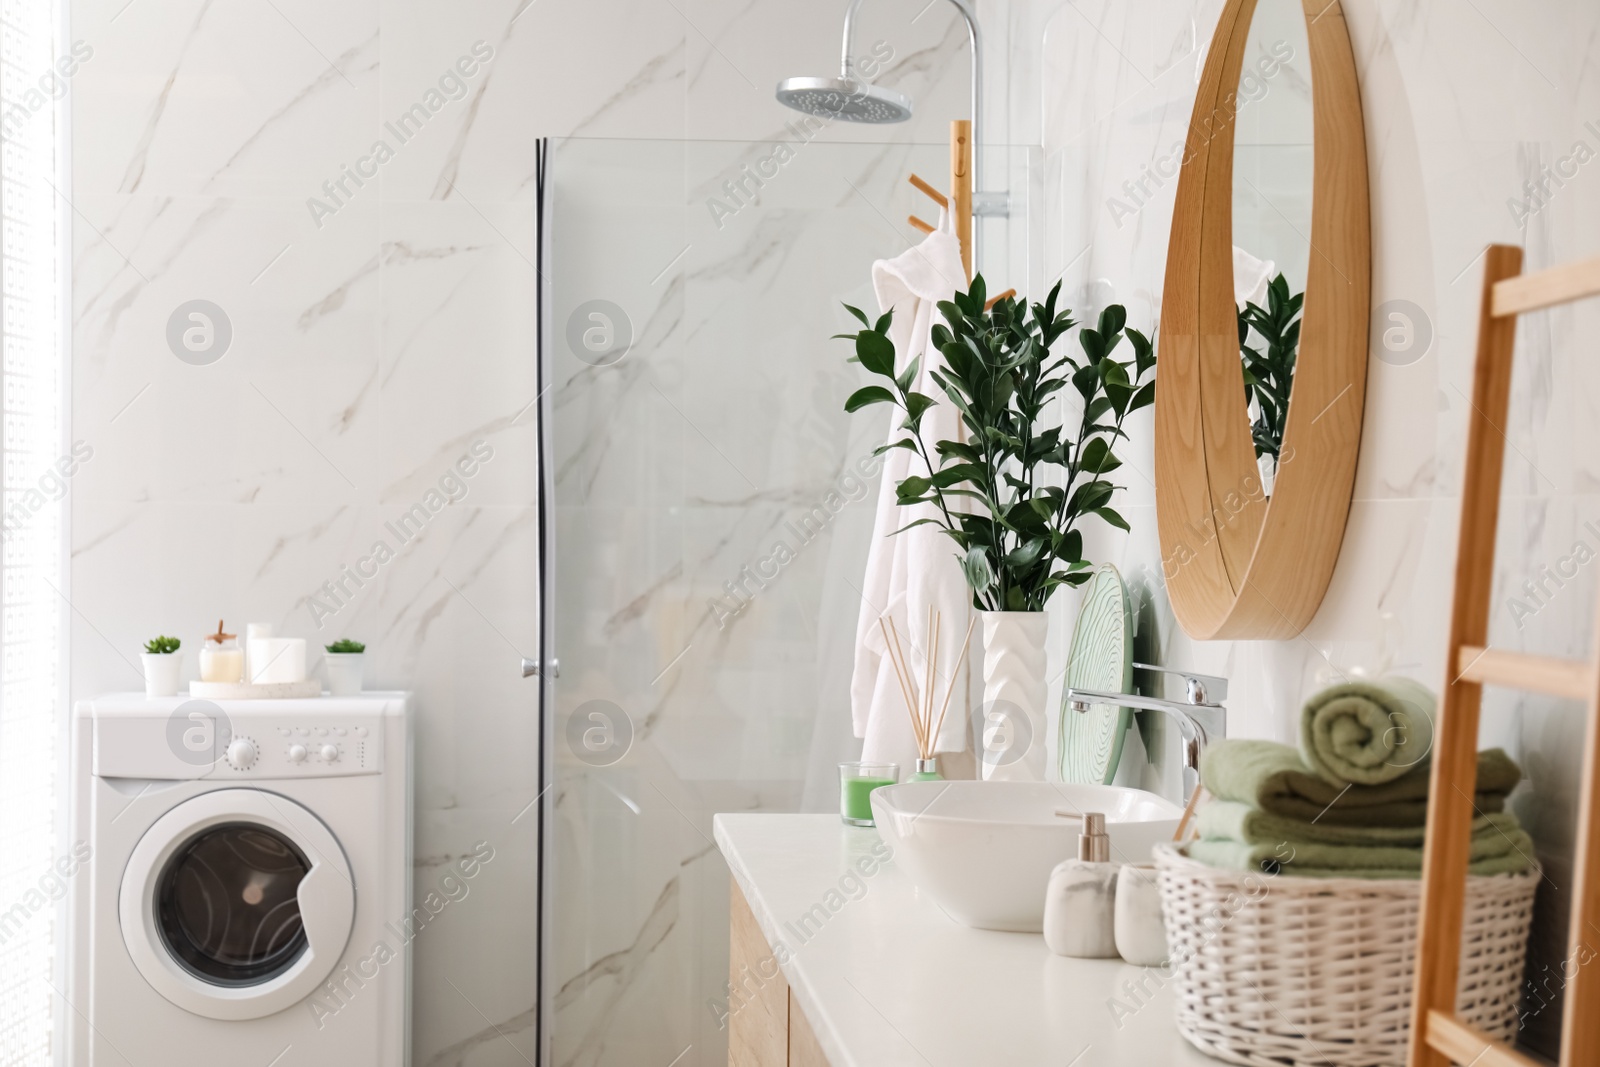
[[1464, 102]]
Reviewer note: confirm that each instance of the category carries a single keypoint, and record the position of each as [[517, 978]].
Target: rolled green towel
[[1498, 847], [1367, 733], [1270, 776]]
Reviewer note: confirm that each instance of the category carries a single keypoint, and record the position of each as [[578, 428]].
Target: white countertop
[[885, 978]]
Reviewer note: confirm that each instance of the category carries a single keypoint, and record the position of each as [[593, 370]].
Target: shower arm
[[975, 36]]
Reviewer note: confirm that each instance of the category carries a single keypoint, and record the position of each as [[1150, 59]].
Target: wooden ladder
[[1438, 1036]]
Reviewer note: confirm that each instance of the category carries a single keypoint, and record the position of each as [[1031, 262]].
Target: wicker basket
[[1317, 971]]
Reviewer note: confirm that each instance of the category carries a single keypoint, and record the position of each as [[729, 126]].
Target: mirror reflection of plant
[[1269, 376], [1000, 373]]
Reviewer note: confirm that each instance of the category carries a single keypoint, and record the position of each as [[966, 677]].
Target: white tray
[[256, 691]]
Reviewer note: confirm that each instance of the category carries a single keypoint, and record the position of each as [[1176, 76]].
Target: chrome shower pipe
[[975, 37]]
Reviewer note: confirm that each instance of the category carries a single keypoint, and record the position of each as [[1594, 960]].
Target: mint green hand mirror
[[1089, 743]]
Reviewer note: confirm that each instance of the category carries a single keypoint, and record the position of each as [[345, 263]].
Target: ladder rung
[[1547, 288], [1518, 670], [1468, 1044]]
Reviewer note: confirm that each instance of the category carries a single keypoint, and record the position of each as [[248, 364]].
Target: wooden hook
[[935, 195], [919, 224]]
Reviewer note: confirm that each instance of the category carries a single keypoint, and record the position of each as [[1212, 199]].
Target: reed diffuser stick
[[925, 704], [890, 647], [961, 657]]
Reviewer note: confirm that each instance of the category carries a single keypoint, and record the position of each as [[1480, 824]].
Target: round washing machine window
[[228, 904], [237, 903]]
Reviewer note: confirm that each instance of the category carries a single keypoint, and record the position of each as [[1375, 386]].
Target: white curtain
[[32, 492]]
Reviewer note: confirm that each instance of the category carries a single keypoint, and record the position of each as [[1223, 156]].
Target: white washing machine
[[247, 895]]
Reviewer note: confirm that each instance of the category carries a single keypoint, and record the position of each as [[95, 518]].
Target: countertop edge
[[821, 1025]]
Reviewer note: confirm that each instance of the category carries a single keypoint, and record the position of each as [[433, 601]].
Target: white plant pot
[[161, 673], [1014, 687], [344, 672]]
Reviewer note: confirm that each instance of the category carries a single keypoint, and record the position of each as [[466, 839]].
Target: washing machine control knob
[[330, 753], [241, 753], [297, 753]]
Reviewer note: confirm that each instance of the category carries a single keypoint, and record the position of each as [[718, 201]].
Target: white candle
[[221, 664], [277, 659]]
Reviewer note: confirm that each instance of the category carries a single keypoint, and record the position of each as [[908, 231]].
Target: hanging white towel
[[1251, 276], [911, 571]]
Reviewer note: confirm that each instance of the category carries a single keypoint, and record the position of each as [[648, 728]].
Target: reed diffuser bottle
[[919, 703]]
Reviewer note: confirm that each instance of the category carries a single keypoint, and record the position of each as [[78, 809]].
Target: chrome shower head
[[844, 98]]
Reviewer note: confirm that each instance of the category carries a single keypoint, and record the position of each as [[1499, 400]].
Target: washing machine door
[[237, 904]]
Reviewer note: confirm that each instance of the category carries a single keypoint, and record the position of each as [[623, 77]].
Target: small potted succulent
[[344, 658], [161, 662]]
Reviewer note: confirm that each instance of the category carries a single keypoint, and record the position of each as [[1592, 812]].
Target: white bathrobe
[[910, 571]]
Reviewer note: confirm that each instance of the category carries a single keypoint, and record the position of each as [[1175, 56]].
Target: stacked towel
[[1353, 801], [1239, 837], [1273, 777]]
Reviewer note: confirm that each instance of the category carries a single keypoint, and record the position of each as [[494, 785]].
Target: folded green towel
[[1228, 820], [1367, 732], [1496, 848], [1272, 777]]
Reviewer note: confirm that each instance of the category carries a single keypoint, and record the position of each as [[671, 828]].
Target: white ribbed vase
[[1012, 728]]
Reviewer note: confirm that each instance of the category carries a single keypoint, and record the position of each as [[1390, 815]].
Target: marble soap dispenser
[[1080, 901]]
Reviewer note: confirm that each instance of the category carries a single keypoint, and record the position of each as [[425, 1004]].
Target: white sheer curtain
[[32, 488]]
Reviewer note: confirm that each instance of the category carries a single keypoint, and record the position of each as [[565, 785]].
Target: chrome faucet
[[1203, 697]]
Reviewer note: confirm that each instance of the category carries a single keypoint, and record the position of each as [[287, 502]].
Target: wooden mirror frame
[[1237, 563]]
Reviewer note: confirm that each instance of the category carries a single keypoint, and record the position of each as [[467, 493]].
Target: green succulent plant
[[162, 646], [344, 647], [1030, 485]]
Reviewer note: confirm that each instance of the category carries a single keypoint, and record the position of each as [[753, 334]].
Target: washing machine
[[244, 890]]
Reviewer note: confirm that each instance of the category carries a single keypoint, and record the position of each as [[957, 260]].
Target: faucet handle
[[1199, 689]]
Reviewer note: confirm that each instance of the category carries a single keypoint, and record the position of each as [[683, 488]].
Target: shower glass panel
[[712, 505]]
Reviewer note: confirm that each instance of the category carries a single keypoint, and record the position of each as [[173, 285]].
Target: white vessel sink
[[984, 850]]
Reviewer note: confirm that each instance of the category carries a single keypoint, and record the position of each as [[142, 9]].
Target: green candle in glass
[[856, 783]]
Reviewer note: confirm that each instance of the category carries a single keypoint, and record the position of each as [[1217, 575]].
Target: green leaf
[[980, 575], [1089, 496], [957, 473], [1112, 517], [1087, 381], [906, 443], [916, 404], [857, 312], [1025, 555], [917, 522], [1112, 319], [871, 394], [1097, 457], [908, 375], [876, 352], [957, 449], [1094, 346], [911, 490]]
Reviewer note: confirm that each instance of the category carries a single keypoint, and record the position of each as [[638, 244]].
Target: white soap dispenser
[[1081, 899]]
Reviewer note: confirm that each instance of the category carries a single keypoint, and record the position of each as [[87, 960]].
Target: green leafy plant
[[1029, 485], [344, 647], [162, 646], [1269, 376]]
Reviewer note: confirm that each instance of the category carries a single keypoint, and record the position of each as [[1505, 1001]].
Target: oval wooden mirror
[[1253, 477]]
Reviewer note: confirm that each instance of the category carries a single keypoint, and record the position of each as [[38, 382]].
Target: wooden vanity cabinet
[[766, 1027]]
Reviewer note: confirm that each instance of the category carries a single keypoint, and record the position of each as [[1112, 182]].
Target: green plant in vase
[[1013, 494]]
